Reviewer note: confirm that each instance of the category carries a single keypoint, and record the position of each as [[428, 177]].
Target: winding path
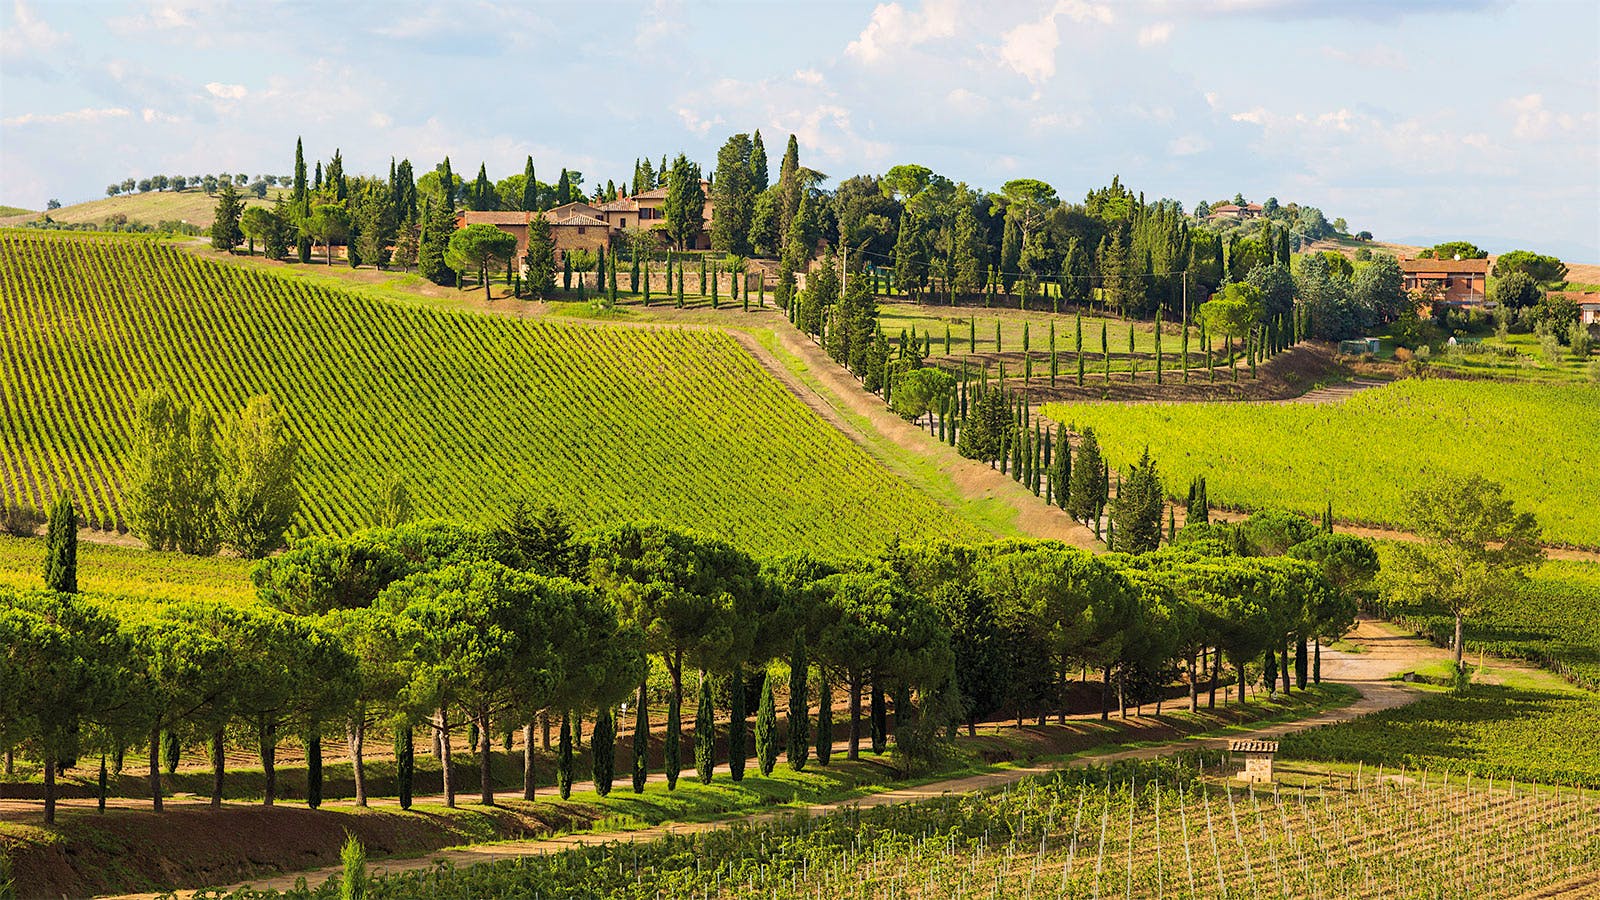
[[1386, 652]]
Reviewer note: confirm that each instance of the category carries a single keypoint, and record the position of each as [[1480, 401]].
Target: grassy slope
[[1364, 454], [193, 206], [467, 410]]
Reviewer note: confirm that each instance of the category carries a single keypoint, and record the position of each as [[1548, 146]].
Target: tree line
[[428, 626]]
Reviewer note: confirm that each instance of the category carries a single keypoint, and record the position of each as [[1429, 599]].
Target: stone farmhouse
[[586, 226]]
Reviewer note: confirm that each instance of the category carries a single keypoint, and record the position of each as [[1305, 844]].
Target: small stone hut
[[1257, 758]]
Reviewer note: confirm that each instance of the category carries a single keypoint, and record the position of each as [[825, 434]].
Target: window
[[583, 229]]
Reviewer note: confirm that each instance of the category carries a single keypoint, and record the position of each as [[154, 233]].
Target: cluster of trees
[[1305, 223], [434, 624], [209, 183], [194, 489]]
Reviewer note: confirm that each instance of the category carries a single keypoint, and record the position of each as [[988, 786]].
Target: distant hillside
[[194, 207]]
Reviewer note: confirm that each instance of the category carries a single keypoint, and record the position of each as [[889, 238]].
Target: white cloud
[[1256, 116], [226, 91], [1188, 145], [693, 121], [664, 20], [808, 76], [893, 27], [1534, 120], [1029, 49], [1212, 99], [27, 34], [156, 115], [963, 100], [87, 114], [1151, 35]]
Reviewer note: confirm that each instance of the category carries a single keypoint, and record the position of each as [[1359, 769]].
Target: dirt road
[[1386, 652]]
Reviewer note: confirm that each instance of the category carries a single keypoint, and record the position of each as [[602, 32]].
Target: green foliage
[[1515, 290], [61, 543], [766, 728], [541, 257], [353, 860], [705, 732], [256, 493], [1537, 266], [1233, 311], [171, 494], [358, 377], [919, 390], [1364, 451], [564, 762], [478, 248], [603, 750], [1453, 249], [684, 207], [1136, 511], [225, 231]]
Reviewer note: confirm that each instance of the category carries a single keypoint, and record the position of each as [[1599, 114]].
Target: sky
[[1419, 121]]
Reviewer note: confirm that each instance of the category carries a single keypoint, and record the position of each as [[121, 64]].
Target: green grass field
[[468, 410], [1365, 453], [130, 572]]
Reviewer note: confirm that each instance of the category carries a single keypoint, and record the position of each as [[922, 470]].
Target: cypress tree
[[737, 721], [766, 729], [314, 770], [641, 741], [1158, 346], [879, 715], [1133, 361], [564, 757], [1063, 478], [61, 547], [680, 285], [799, 721], [169, 751], [713, 284], [1172, 525], [611, 284], [673, 761], [705, 732], [997, 346], [405, 763], [702, 274], [633, 273], [566, 272], [530, 187], [824, 719], [1105, 349], [1052, 354], [972, 334], [603, 750]]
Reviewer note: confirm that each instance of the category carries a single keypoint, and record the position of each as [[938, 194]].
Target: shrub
[[18, 520]]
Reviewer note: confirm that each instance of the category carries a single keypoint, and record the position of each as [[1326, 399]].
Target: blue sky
[[1419, 121]]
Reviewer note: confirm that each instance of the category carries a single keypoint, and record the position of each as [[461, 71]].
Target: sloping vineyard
[[467, 410], [1366, 453]]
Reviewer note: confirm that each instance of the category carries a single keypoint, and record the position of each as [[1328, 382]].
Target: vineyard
[[1364, 454], [1552, 619], [1149, 830], [1491, 731], [133, 574], [466, 410]]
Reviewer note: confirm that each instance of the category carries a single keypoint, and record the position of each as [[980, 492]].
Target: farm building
[[574, 230], [1235, 212], [1257, 758], [581, 225], [1453, 282], [1588, 304]]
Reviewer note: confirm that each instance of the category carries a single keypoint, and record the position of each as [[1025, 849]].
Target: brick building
[[1453, 282]]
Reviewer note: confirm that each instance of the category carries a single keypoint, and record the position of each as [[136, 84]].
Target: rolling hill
[[467, 410], [193, 206]]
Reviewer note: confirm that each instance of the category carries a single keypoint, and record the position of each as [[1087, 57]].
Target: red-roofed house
[[1236, 212], [576, 230], [1454, 282]]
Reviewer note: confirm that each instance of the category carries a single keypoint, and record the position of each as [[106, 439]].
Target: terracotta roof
[[575, 208], [660, 193], [494, 217], [579, 219], [1253, 746], [626, 204], [1445, 266]]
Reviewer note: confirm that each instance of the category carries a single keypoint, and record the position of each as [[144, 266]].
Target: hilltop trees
[[61, 547], [733, 191]]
